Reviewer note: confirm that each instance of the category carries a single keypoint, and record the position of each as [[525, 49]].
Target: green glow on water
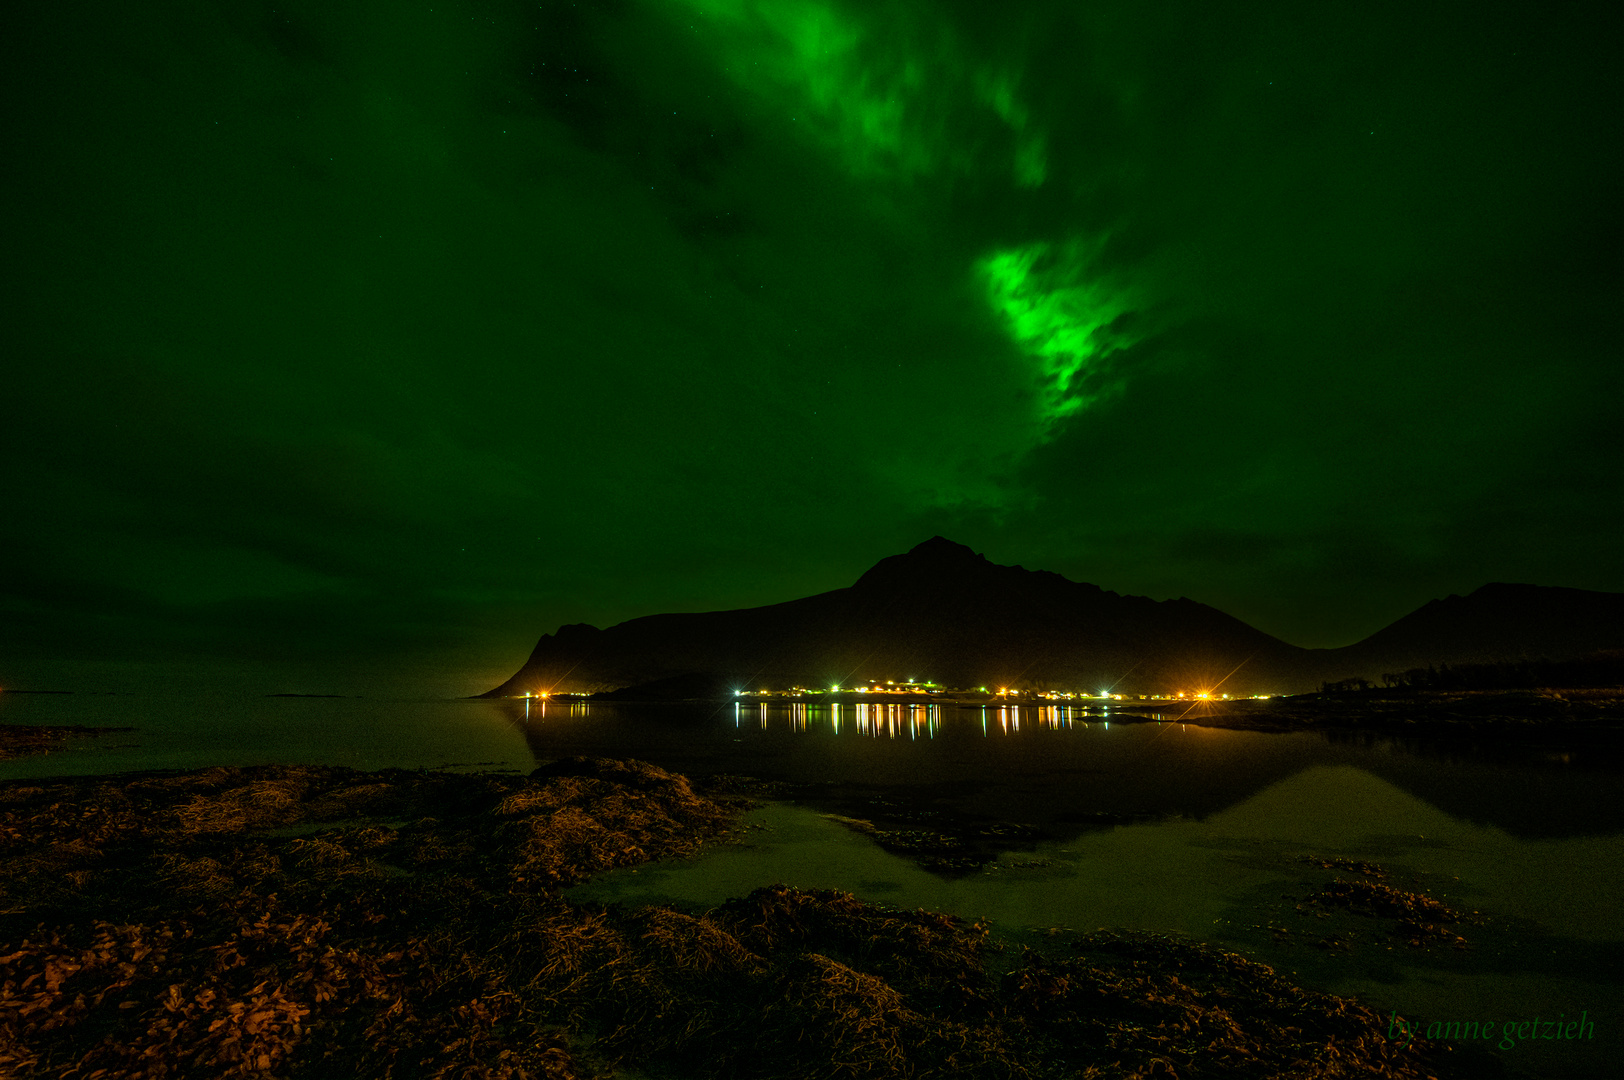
[[1220, 879]]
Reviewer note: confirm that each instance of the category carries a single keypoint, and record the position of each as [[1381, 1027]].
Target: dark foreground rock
[[321, 922]]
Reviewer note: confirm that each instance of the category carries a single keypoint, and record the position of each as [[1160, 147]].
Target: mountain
[[945, 614], [1494, 622]]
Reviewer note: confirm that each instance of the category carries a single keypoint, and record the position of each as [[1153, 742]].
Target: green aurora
[[351, 340]]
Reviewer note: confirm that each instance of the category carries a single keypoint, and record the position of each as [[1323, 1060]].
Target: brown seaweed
[[305, 921]]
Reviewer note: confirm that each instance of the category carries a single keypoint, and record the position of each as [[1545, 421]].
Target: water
[[196, 732], [1156, 826]]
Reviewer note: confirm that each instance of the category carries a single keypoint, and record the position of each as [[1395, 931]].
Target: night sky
[[350, 346]]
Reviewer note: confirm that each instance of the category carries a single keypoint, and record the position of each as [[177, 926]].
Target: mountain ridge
[[943, 612]]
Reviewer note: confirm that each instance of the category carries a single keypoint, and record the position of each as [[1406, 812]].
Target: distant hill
[[943, 613], [1495, 622]]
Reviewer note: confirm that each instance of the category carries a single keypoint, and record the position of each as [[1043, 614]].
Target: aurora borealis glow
[[352, 337]]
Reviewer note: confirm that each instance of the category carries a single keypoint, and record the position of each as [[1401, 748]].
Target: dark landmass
[[1548, 714], [1601, 670], [308, 695], [19, 740], [304, 921], [943, 613], [693, 686], [1497, 622]]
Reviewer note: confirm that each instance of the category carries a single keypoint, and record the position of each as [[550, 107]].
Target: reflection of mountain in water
[[944, 613], [1065, 769], [1529, 792]]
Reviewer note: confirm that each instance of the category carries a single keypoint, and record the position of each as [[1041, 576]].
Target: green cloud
[[895, 98], [1061, 310]]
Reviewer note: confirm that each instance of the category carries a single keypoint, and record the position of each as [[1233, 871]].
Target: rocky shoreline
[[315, 921]]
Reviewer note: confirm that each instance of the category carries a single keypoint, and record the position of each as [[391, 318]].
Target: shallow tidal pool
[[1543, 941]]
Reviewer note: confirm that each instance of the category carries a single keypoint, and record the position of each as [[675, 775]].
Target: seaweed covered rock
[[584, 815], [812, 985], [304, 920], [318, 922], [1144, 1005]]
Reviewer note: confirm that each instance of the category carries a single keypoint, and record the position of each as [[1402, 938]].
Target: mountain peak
[[941, 548], [934, 560]]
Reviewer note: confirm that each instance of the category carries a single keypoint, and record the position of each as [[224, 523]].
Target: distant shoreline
[[1594, 711], [21, 740]]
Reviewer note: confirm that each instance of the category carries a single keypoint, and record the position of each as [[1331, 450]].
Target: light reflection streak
[[918, 721]]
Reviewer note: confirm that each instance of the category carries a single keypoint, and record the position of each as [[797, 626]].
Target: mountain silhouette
[[945, 614]]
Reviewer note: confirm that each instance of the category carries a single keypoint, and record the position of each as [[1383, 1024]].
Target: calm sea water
[[1158, 826]]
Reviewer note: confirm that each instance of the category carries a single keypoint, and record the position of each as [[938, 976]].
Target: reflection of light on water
[[535, 708], [875, 720], [538, 710], [891, 721]]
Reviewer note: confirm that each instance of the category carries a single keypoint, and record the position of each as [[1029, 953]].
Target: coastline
[[305, 920], [1542, 713], [21, 740], [1558, 712]]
